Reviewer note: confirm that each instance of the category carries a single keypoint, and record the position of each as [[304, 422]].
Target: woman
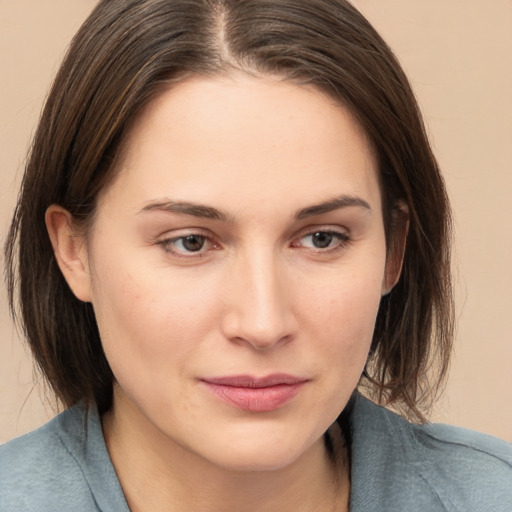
[[230, 221]]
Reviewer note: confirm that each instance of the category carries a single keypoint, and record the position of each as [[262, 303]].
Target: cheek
[[342, 314], [348, 299], [146, 318]]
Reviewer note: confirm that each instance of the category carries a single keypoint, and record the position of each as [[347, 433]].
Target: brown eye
[[192, 243]]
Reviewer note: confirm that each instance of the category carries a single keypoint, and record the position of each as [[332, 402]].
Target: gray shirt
[[396, 466]]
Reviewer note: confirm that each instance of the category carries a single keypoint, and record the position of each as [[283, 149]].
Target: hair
[[122, 56]]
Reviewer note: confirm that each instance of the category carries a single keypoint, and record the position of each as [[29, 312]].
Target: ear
[[70, 251], [397, 241]]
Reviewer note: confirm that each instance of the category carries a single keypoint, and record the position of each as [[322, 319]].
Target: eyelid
[[343, 235], [166, 240], [324, 228]]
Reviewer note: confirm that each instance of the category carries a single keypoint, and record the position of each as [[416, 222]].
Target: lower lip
[[256, 399]]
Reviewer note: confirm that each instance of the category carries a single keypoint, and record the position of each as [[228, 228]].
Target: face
[[235, 266]]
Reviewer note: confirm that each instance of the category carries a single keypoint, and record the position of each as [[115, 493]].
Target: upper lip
[[249, 381]]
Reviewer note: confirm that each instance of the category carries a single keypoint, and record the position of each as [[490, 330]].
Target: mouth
[[256, 394]]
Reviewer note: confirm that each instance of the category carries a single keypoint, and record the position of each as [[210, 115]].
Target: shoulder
[[43, 471], [449, 467], [465, 467], [459, 445]]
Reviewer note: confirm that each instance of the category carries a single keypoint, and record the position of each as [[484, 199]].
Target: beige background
[[458, 56]]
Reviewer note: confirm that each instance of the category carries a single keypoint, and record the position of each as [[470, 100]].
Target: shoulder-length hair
[[123, 55]]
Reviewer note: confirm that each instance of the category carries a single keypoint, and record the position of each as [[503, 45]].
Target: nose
[[258, 306]]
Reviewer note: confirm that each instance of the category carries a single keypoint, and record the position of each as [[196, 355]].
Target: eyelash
[[343, 239], [167, 245]]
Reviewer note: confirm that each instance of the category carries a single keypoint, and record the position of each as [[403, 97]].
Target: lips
[[256, 394]]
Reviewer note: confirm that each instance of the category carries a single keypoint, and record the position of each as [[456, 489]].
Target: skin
[[258, 297]]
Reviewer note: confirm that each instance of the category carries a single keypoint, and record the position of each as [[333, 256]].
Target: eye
[[189, 245], [323, 239]]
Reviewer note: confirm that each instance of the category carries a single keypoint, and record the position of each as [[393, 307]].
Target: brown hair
[[122, 56]]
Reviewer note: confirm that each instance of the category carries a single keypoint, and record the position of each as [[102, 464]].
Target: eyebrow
[[209, 212], [186, 208], [331, 205]]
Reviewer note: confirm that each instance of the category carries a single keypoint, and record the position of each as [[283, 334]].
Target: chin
[[264, 453], [251, 462]]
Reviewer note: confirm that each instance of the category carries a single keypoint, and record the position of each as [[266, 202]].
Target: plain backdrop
[[458, 56]]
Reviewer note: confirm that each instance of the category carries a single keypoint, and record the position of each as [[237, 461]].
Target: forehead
[[211, 138]]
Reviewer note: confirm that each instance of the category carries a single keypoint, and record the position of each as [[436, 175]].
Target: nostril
[[261, 334], [261, 343]]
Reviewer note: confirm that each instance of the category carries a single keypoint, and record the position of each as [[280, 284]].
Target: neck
[[157, 474]]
